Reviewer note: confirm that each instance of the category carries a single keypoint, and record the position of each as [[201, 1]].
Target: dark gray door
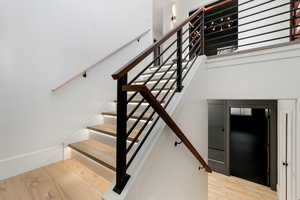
[[216, 136]]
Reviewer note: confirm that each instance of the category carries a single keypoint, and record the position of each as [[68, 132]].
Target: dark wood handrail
[[217, 5], [135, 61], [145, 92]]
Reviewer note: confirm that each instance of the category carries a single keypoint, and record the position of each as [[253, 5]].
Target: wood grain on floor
[[222, 187], [65, 180]]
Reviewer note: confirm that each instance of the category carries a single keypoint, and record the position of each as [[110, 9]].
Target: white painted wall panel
[[44, 43], [264, 75]]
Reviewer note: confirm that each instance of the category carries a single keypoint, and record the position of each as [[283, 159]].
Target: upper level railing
[[148, 86], [248, 24]]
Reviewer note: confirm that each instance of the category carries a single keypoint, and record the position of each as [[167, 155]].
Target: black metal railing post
[[203, 34], [157, 57], [121, 175], [179, 61]]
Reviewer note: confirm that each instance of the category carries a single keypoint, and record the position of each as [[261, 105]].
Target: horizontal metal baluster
[[252, 36], [246, 9], [271, 16], [149, 65], [237, 6], [195, 22], [190, 36], [154, 123], [189, 69], [251, 22], [246, 2], [151, 116], [221, 11], [134, 95], [158, 69], [137, 106], [228, 15], [269, 40], [262, 11], [251, 29], [141, 116], [250, 15], [145, 124]]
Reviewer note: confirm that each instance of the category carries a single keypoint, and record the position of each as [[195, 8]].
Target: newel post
[[121, 170], [179, 61], [203, 33]]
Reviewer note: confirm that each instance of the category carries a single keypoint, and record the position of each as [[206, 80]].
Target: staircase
[[146, 86], [140, 103]]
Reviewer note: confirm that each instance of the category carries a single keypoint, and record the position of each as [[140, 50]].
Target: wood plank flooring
[[222, 187], [65, 180]]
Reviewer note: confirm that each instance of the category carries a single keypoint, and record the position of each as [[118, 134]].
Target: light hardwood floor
[[222, 187], [65, 180]]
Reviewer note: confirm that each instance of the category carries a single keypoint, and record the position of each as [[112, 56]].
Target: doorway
[[249, 144], [243, 139]]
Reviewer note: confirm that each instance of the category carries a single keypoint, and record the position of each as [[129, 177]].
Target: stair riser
[[154, 92], [92, 165], [140, 109], [165, 67], [107, 139], [159, 85], [157, 75], [111, 120], [160, 96]]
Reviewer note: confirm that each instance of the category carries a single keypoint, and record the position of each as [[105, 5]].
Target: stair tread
[[135, 116], [156, 79], [111, 129], [97, 151], [160, 71], [138, 101], [157, 89]]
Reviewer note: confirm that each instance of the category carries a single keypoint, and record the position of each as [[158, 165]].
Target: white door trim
[[287, 135]]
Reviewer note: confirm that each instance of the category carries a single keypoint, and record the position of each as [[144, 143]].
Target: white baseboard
[[26, 162], [19, 164]]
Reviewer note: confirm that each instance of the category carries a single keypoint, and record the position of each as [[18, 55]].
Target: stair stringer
[[152, 140]]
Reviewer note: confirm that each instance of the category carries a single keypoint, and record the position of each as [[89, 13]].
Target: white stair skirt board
[[287, 150], [146, 149]]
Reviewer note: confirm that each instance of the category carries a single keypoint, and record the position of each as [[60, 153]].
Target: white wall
[[271, 74], [44, 43]]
